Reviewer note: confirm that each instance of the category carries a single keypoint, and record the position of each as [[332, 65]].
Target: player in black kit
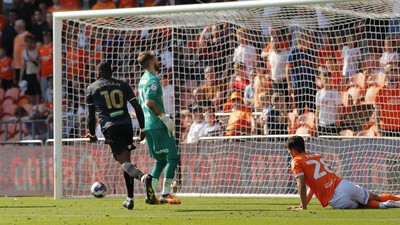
[[108, 97]]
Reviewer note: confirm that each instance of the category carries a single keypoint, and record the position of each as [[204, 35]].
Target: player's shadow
[[26, 206], [228, 210]]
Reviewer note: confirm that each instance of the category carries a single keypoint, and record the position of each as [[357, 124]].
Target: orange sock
[[386, 197], [373, 204]]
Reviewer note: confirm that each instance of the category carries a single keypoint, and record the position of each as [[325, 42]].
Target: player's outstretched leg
[[150, 195], [128, 203]]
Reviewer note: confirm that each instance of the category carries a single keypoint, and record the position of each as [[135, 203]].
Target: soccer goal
[[256, 69]]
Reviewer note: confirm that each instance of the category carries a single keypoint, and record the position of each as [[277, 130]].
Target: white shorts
[[348, 195]]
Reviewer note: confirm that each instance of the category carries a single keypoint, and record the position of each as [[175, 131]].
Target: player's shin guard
[[132, 170]]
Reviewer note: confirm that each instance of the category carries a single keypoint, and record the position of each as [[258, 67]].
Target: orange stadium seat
[[11, 127], [12, 93], [9, 106]]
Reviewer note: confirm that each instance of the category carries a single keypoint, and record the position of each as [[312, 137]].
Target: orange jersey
[[19, 46], [388, 101], [318, 175], [71, 4], [6, 71], [76, 62], [45, 53], [239, 122], [127, 3], [54, 8], [108, 5]]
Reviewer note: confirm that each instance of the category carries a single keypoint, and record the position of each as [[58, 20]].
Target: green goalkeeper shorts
[[161, 144]]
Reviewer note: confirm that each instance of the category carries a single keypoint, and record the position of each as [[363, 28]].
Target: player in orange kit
[[313, 170]]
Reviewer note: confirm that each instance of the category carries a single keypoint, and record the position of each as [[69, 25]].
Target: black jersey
[[109, 97]]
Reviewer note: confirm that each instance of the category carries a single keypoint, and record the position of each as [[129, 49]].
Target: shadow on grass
[[27, 206], [228, 210]]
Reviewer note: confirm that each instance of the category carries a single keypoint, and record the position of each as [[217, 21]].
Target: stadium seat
[[11, 127], [12, 93], [9, 106]]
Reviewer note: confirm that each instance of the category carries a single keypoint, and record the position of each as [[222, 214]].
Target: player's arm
[[304, 196], [139, 115], [91, 117], [169, 123]]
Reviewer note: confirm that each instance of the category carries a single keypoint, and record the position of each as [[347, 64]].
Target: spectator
[[168, 93], [49, 20], [388, 104], [104, 4], [277, 117], [186, 122], [245, 53], [45, 54], [19, 45], [212, 90], [278, 55], [9, 33], [8, 5], [239, 121], [39, 26], [48, 97], [390, 54], [249, 90], [261, 122], [56, 7], [197, 125], [6, 72], [300, 74], [329, 108], [239, 79], [212, 127], [262, 84], [36, 129], [71, 4], [30, 69], [25, 12], [351, 57], [333, 68]]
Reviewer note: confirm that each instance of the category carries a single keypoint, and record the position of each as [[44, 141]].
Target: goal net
[[238, 79]]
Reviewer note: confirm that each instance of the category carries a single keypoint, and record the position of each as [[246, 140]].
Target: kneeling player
[[313, 170]]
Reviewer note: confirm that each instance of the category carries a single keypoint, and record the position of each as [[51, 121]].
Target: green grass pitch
[[198, 210]]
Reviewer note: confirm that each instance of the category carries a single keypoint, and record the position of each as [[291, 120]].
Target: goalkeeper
[[158, 127], [313, 170]]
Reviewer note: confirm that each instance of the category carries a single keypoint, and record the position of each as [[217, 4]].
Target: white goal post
[[256, 166]]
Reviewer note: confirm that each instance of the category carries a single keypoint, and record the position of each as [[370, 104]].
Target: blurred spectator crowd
[[338, 80]]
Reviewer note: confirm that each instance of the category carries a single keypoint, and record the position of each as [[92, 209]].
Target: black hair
[[104, 69], [295, 142]]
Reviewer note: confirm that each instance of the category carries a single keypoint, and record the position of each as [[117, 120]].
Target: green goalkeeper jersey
[[150, 88]]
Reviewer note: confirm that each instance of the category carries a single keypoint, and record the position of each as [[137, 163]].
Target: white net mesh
[[235, 80]]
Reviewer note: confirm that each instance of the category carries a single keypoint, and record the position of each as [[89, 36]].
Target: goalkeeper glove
[[92, 138], [169, 123]]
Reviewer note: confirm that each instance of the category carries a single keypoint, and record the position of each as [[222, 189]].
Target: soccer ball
[[98, 189]]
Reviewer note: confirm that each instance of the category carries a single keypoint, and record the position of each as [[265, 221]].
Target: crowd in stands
[[232, 81]]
